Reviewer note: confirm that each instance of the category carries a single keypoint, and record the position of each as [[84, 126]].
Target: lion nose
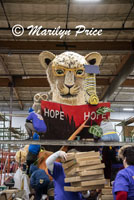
[[69, 86], [69, 79]]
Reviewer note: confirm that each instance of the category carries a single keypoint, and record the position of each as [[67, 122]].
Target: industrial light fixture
[[25, 77], [128, 109]]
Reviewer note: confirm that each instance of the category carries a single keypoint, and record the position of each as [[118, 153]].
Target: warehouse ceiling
[[20, 70]]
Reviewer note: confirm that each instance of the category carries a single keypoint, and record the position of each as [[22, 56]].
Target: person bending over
[[56, 170], [39, 181], [123, 186], [35, 123]]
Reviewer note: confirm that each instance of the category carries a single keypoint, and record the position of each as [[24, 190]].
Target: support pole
[[11, 105], [10, 112]]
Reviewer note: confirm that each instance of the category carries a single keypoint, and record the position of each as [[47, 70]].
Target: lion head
[[65, 73]]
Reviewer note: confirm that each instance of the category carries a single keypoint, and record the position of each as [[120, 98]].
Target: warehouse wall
[[121, 116], [17, 121]]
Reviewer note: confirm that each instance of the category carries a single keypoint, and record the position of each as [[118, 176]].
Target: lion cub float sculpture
[[66, 76]]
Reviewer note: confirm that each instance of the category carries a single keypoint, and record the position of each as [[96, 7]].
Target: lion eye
[[59, 71], [80, 71]]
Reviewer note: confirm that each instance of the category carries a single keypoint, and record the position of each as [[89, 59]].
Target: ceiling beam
[[126, 122], [18, 98], [61, 17], [63, 2], [43, 82], [38, 46], [11, 82], [119, 67], [125, 71], [128, 83], [5, 68], [109, 29]]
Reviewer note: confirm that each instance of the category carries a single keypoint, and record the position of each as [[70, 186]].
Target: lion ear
[[45, 58], [93, 58]]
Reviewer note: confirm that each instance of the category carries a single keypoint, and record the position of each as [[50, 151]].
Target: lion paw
[[93, 100]]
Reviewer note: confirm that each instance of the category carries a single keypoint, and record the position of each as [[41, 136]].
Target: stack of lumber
[[8, 194], [84, 171], [107, 193]]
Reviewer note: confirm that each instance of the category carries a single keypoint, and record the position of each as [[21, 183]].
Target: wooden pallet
[[84, 171], [107, 193]]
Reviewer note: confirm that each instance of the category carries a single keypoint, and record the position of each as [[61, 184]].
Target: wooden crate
[[107, 193], [107, 197], [84, 171]]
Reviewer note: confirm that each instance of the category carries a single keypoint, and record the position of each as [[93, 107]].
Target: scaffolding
[[127, 129], [7, 151], [9, 133], [6, 165]]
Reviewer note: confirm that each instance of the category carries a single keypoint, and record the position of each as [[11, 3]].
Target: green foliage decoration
[[95, 130]]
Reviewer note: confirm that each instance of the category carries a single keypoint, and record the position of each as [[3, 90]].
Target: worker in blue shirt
[[39, 181], [35, 123], [56, 170], [123, 186], [33, 152]]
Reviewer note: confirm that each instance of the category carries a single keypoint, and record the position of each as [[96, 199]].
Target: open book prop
[[62, 120]]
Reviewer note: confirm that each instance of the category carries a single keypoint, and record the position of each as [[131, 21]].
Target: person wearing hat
[[123, 186], [39, 181], [33, 152]]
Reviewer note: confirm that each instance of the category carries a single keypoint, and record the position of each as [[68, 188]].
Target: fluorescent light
[[128, 109], [25, 77]]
